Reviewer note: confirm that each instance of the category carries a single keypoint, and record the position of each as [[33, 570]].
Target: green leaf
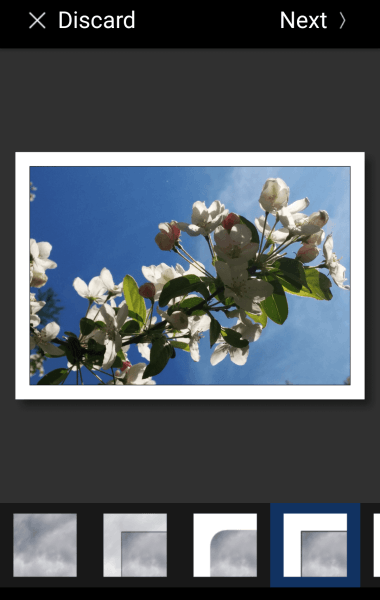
[[135, 302], [233, 338], [129, 327], [86, 326], [95, 351], [181, 286], [290, 273], [215, 329], [159, 356], [70, 333], [255, 235], [208, 280], [188, 306], [318, 286], [180, 345], [135, 316], [262, 319], [54, 377], [100, 325], [95, 347], [268, 243], [76, 350], [276, 305], [118, 362]]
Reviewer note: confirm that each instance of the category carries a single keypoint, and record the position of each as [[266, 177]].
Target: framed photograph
[[190, 276]]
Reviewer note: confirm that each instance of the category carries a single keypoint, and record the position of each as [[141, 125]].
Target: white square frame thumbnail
[[376, 545], [294, 524], [114, 525], [208, 525]]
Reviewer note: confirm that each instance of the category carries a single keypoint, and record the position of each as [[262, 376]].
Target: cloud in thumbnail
[[45, 545], [324, 553], [234, 554], [143, 554]]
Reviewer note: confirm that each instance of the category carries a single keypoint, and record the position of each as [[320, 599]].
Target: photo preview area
[[241, 267]]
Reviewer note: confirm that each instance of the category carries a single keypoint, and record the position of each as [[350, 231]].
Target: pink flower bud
[[126, 364], [38, 280], [171, 229], [163, 241], [147, 290], [230, 220], [307, 253], [176, 232]]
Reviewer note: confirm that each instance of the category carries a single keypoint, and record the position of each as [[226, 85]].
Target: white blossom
[[35, 306], [239, 356], [315, 239], [39, 256], [39, 262], [296, 224], [318, 218], [107, 279], [235, 246], [246, 292], [133, 376], [110, 336], [160, 275], [198, 324], [94, 291], [43, 339], [32, 188], [36, 364], [337, 270], [204, 220]]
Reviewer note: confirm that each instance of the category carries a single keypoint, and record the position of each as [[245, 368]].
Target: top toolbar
[[188, 26]]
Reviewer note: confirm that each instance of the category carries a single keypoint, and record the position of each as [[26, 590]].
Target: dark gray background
[[191, 100]]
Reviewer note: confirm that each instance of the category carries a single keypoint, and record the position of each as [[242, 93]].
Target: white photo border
[[294, 524], [25, 160]]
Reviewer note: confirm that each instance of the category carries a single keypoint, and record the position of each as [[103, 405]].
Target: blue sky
[[97, 217]]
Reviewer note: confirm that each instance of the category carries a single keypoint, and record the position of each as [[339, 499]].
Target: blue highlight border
[[277, 512]]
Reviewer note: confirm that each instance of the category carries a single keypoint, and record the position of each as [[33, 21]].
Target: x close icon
[[37, 20]]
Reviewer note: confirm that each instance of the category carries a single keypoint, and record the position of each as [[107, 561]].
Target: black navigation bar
[[188, 26]]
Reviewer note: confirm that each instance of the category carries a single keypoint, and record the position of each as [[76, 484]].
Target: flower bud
[[168, 236], [315, 238], [126, 364], [230, 220], [163, 241], [38, 280], [319, 218], [175, 231], [178, 320], [147, 290], [307, 253], [274, 195]]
